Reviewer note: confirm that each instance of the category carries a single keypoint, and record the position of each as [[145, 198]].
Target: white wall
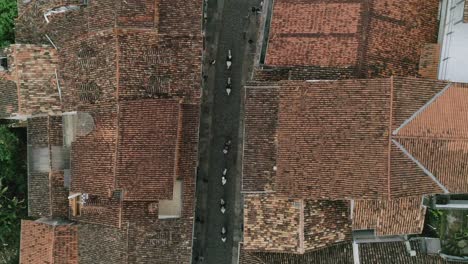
[[454, 56]]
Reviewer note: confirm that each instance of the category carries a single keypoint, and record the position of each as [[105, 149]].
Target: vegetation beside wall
[[13, 192], [8, 13]]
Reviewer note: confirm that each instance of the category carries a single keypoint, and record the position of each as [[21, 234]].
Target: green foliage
[[435, 223], [13, 187], [8, 13]]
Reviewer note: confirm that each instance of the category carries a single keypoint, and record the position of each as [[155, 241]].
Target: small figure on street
[[223, 180], [199, 259], [223, 234], [229, 60], [212, 62], [222, 204], [228, 86], [256, 10], [223, 177], [227, 146], [199, 220]]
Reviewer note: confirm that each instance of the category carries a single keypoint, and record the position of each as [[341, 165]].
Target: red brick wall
[[36, 243], [429, 61], [8, 98], [59, 195], [33, 69]]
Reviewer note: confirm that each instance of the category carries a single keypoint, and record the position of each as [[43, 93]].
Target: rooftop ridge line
[[389, 159], [426, 171], [407, 121]]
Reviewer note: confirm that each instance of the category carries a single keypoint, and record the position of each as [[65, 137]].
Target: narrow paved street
[[229, 25]]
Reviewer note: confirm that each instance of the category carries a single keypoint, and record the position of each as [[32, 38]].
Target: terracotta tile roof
[[260, 140], [320, 34], [166, 241], [8, 98], [32, 68], [328, 145], [437, 136], [47, 194], [247, 257], [326, 223], [272, 224], [340, 135], [337, 254], [93, 155], [288, 225], [375, 38], [116, 69], [101, 210], [112, 211], [396, 252], [443, 117], [408, 179], [101, 244], [445, 159], [48, 243], [146, 159], [122, 142], [390, 217]]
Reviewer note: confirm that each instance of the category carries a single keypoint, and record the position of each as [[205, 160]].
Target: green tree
[[8, 13], [13, 187]]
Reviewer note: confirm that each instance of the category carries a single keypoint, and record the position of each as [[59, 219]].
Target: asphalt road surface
[[229, 25]]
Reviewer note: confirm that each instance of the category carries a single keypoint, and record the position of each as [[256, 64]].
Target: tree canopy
[[8, 13], [13, 191]]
